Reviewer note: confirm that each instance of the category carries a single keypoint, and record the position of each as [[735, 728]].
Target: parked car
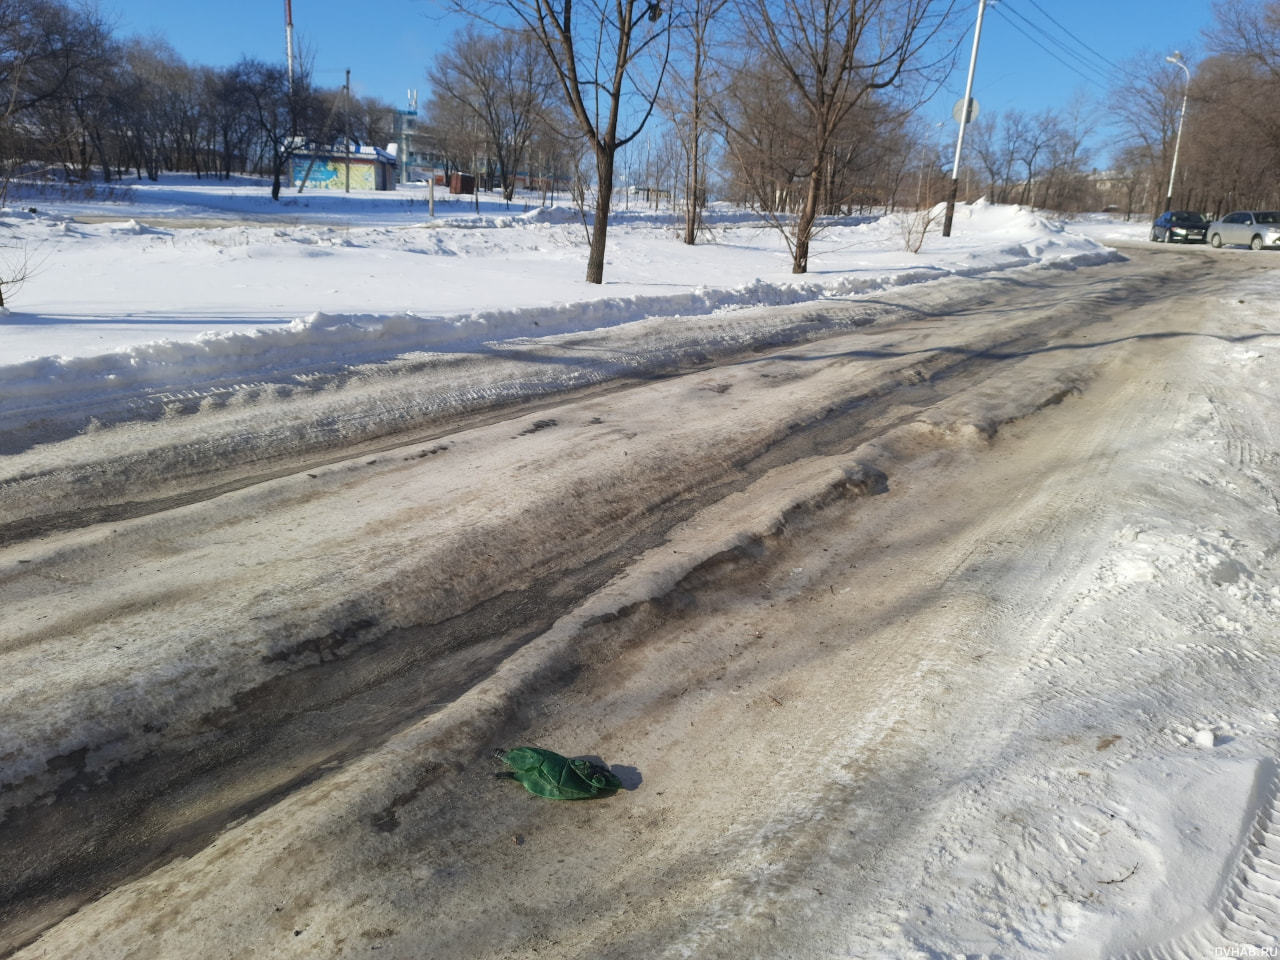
[[1251, 228], [1180, 226]]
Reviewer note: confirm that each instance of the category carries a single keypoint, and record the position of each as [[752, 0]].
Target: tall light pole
[[288, 40], [964, 118], [1176, 60]]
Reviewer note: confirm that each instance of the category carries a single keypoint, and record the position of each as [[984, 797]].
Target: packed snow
[[1123, 801]]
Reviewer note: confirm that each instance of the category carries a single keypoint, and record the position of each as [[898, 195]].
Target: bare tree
[[1066, 185], [767, 138], [502, 79], [454, 132], [1146, 108], [1130, 175], [1037, 134], [1248, 30], [230, 123], [1248, 33], [832, 57], [284, 113], [1225, 162], [17, 266], [154, 100], [554, 155], [609, 58], [687, 103], [986, 141], [52, 57]]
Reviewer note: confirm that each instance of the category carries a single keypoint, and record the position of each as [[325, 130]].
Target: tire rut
[[97, 835], [181, 473]]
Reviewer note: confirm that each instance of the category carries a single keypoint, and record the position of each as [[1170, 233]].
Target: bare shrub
[[916, 224]]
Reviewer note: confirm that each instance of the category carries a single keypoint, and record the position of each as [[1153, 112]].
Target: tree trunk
[[100, 146], [692, 209], [691, 195], [604, 197], [804, 223]]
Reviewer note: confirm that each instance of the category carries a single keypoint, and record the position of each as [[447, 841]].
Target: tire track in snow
[[1246, 917], [993, 614], [1201, 579], [829, 837], [1054, 845], [829, 418]]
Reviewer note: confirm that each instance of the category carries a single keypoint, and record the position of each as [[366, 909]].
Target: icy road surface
[[935, 623]]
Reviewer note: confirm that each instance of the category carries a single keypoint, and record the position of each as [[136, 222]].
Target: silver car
[[1256, 229]]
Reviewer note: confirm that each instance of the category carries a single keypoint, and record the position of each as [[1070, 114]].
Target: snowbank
[[143, 303]]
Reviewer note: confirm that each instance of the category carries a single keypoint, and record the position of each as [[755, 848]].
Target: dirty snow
[[1125, 803]]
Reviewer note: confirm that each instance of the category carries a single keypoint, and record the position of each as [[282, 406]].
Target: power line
[[1078, 59], [1092, 52], [1081, 53], [1075, 68], [1117, 68]]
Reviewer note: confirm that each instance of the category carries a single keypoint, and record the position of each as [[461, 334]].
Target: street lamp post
[[1176, 60]]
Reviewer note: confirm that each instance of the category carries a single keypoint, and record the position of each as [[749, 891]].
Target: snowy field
[[123, 320], [118, 305], [1057, 627]]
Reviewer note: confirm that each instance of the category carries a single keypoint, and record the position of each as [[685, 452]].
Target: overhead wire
[[1084, 46], [1081, 67]]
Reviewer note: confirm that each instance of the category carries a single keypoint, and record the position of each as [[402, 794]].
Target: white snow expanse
[[229, 297], [334, 279]]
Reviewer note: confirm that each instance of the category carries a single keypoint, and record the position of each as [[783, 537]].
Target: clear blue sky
[[1036, 54], [387, 44]]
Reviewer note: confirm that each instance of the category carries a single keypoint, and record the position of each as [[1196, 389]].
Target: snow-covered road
[[940, 622]]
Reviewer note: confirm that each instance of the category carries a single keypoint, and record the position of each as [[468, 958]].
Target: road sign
[[958, 111]]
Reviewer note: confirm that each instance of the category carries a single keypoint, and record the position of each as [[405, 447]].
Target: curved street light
[[1176, 60]]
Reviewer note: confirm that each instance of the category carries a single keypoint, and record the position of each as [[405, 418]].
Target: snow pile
[[552, 214], [119, 307]]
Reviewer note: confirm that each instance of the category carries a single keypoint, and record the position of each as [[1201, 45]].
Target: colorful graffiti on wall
[[332, 174], [367, 168]]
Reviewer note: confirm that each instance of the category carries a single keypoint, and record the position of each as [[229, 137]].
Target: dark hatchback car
[[1180, 226]]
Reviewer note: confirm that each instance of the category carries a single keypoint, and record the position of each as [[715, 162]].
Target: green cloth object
[[547, 774]]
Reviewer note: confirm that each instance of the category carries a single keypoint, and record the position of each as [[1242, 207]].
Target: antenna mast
[[288, 39]]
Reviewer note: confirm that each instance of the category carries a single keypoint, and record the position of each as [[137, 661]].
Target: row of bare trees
[[1039, 160], [805, 109], [801, 108], [818, 71], [77, 100], [495, 107], [1229, 157]]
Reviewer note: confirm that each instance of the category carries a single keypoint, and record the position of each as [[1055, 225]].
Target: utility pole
[[964, 118], [346, 99], [288, 40]]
